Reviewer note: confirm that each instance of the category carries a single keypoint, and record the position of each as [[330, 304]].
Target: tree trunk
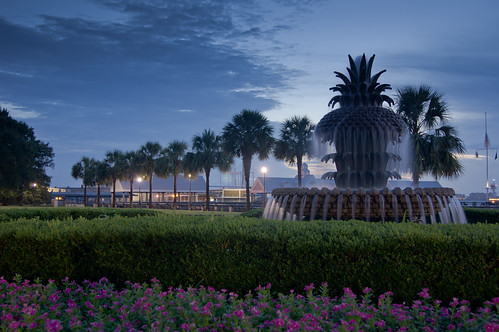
[[299, 165], [150, 191], [98, 195], [415, 180], [114, 191], [207, 174], [247, 170], [131, 193], [85, 196], [175, 191]]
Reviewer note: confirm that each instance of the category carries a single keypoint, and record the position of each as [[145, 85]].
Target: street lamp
[[264, 170], [189, 205], [139, 179]]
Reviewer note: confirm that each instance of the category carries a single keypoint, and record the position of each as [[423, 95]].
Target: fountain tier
[[428, 205]]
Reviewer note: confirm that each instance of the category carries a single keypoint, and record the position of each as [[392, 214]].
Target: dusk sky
[[94, 76]]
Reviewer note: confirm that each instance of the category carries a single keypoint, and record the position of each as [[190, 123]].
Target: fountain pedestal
[[428, 205]]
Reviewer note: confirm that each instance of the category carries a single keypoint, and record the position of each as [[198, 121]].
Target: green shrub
[[254, 213], [485, 216], [241, 253], [49, 213]]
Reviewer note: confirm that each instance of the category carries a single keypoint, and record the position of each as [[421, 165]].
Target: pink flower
[[380, 323], [53, 325], [293, 325], [278, 322], [424, 293], [14, 325], [366, 290], [309, 287], [491, 327], [239, 313]]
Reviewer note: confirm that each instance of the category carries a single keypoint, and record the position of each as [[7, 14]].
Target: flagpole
[[487, 144]]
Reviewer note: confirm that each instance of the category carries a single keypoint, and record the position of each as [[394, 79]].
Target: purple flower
[[309, 287], [53, 325], [293, 325], [278, 322], [491, 327], [239, 313], [424, 293]]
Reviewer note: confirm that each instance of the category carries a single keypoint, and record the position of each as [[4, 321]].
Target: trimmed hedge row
[[486, 216], [9, 214], [240, 253]]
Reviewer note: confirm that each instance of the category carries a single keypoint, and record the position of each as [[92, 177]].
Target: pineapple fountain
[[366, 138]]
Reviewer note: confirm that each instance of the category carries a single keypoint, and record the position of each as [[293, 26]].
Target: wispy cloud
[[19, 112]]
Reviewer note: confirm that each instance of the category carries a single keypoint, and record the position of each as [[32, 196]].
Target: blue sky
[[93, 76]]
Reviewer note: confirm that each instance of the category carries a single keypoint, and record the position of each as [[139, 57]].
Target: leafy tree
[[117, 169], [149, 152], [248, 134], [23, 159], [207, 154], [434, 141], [295, 142], [84, 170]]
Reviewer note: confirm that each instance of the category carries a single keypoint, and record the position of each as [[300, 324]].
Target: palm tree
[[84, 170], [132, 166], [207, 154], [102, 172], [434, 142], [295, 142], [150, 151], [175, 152], [249, 133], [117, 168]]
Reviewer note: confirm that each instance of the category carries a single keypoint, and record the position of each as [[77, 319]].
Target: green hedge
[[43, 213], [486, 216], [241, 253]]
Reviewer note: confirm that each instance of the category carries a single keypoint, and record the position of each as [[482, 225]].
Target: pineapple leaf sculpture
[[363, 132]]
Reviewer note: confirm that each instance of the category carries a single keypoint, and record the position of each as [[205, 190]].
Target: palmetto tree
[[434, 142], [132, 167], [150, 151], [117, 169], [206, 155], [295, 142], [84, 170], [102, 172], [171, 163], [248, 134]]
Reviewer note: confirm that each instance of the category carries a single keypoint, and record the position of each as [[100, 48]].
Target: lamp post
[[139, 179], [264, 170], [189, 205]]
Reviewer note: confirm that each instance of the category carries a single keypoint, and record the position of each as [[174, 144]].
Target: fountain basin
[[424, 205]]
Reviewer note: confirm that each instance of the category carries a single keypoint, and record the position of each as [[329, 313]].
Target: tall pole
[[487, 145], [139, 179], [189, 205], [264, 170]]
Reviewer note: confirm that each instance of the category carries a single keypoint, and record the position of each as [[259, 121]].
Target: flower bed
[[98, 306]]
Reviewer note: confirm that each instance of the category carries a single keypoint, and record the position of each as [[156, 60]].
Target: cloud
[[18, 112]]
